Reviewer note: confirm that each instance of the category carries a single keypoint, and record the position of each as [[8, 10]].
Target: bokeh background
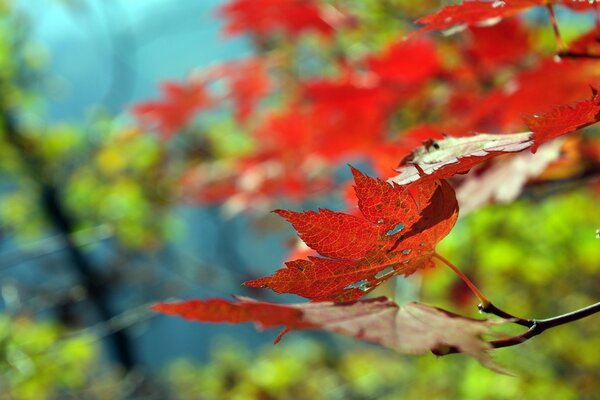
[[109, 203]]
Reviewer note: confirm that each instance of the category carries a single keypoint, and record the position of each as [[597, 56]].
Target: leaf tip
[[283, 213], [256, 283], [355, 171], [160, 308]]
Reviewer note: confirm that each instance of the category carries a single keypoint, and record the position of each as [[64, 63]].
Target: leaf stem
[[486, 305], [559, 42], [485, 302]]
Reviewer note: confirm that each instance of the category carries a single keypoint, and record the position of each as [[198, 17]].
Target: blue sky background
[[114, 52]]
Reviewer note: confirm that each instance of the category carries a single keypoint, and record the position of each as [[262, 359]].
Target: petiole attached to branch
[[537, 327], [486, 305]]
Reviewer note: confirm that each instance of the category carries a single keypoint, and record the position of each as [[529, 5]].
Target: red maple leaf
[[474, 12], [495, 46], [396, 234], [265, 17], [180, 104], [487, 11], [442, 159], [347, 116], [413, 328], [248, 83], [578, 5], [406, 63], [564, 119], [588, 43]]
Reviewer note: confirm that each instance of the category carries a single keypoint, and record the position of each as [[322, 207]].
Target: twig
[[542, 325], [538, 326], [492, 309], [572, 54]]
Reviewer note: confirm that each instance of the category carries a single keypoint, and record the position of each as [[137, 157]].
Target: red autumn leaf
[[578, 5], [564, 119], [502, 109], [486, 11], [334, 118], [248, 83], [413, 328], [179, 105], [494, 46], [588, 43], [265, 17], [286, 132], [442, 159], [474, 12], [396, 234], [347, 116], [406, 63]]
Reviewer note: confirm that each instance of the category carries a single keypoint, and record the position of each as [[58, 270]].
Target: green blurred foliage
[[39, 360], [107, 170]]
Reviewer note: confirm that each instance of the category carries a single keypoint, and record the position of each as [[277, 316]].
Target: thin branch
[[492, 309], [572, 54], [544, 188], [568, 317], [542, 325], [538, 326]]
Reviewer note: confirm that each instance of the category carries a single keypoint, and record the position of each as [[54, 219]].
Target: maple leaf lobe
[[563, 119]]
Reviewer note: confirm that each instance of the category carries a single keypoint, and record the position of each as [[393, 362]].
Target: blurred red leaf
[[406, 63], [588, 43], [180, 104], [396, 234], [487, 12], [579, 5], [265, 17], [248, 83], [502, 44], [502, 109], [474, 12], [347, 116]]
